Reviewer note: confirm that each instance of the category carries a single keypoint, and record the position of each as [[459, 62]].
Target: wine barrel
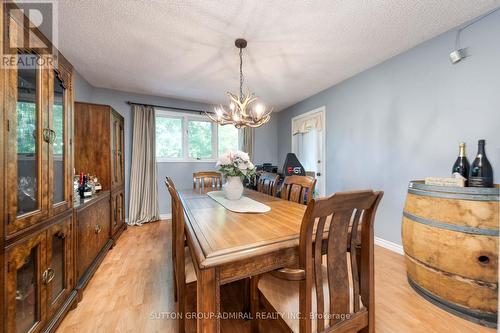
[[450, 240]]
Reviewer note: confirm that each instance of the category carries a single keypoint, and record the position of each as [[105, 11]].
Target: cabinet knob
[[48, 275]]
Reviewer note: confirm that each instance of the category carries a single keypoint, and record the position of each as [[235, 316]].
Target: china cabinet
[[99, 143], [36, 201]]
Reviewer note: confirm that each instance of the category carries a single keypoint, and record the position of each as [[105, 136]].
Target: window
[[168, 137], [200, 139], [228, 138], [191, 137]]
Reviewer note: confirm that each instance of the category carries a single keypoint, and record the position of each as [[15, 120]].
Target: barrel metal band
[[483, 318], [467, 230], [459, 196]]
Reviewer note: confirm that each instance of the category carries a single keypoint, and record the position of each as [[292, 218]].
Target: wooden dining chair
[[298, 189], [332, 292], [267, 183], [207, 179], [184, 272]]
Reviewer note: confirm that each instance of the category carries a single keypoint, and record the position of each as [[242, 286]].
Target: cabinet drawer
[[93, 231]]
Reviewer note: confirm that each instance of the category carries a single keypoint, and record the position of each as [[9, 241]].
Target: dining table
[[227, 246]]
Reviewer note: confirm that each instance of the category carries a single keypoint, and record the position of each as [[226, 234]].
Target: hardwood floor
[[132, 292]]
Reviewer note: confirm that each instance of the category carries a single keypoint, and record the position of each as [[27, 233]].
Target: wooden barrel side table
[[450, 240]]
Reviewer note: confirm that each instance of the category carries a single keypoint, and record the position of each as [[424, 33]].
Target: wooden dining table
[[228, 246]]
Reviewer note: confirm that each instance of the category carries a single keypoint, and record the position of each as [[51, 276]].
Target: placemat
[[243, 205]]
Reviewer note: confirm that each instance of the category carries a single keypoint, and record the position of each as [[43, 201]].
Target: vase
[[233, 189]]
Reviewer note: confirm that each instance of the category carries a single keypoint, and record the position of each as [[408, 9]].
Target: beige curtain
[[143, 205], [247, 142]]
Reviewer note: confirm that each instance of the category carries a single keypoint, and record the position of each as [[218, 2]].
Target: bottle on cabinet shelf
[[461, 165], [481, 172], [84, 190]]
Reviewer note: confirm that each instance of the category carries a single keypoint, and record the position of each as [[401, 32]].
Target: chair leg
[[181, 309], [175, 285], [246, 296], [254, 303]]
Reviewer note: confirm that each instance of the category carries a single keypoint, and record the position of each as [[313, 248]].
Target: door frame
[[322, 110]]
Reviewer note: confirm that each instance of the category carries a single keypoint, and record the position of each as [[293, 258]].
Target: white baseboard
[[389, 245]]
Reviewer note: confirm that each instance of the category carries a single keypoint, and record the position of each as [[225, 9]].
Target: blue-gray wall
[[265, 137], [403, 119]]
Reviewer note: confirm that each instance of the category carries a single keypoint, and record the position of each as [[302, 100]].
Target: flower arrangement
[[236, 164]]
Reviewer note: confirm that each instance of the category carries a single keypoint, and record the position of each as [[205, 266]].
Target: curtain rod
[[169, 107]]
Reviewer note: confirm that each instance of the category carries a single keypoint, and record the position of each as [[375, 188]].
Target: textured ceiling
[[185, 48]]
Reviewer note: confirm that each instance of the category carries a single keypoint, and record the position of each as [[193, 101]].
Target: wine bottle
[[84, 190], [80, 185], [461, 165], [481, 172], [87, 190]]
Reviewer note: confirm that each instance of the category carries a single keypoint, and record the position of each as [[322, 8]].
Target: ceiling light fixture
[[244, 110], [459, 53]]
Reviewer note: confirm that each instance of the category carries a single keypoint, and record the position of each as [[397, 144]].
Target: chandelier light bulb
[[231, 106], [259, 109]]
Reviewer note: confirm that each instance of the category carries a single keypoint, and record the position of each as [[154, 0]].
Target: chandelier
[[244, 110]]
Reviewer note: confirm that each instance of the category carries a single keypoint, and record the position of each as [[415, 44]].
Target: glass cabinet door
[[59, 164], [120, 155], [25, 289], [59, 276], [114, 151], [26, 149]]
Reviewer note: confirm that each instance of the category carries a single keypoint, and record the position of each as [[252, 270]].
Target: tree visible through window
[[200, 139], [228, 138], [168, 137], [26, 127], [191, 137]]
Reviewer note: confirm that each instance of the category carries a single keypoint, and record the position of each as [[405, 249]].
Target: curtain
[[247, 142], [143, 206], [305, 124]]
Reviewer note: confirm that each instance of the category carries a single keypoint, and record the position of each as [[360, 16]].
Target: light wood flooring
[[132, 290]]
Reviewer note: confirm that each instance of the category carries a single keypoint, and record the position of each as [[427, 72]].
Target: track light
[[459, 53], [457, 56]]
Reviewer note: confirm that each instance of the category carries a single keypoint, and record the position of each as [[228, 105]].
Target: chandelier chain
[[241, 74]]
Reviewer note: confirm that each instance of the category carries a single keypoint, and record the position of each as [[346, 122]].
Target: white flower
[[225, 159], [244, 156]]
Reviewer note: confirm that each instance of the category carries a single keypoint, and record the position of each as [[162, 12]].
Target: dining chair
[[267, 183], [332, 292], [205, 179], [298, 189], [184, 272]]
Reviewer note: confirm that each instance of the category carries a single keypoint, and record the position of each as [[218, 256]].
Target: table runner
[[244, 205]]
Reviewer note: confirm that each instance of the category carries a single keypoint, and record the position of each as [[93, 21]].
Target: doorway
[[308, 143]]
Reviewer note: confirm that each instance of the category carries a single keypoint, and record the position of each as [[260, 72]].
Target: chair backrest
[[267, 183], [298, 189], [207, 179], [326, 225], [177, 233]]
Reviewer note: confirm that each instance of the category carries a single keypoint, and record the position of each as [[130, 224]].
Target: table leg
[[208, 301]]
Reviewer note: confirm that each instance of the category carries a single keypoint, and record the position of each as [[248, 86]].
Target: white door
[[308, 143]]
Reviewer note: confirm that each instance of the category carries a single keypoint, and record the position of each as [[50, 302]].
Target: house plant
[[235, 166]]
